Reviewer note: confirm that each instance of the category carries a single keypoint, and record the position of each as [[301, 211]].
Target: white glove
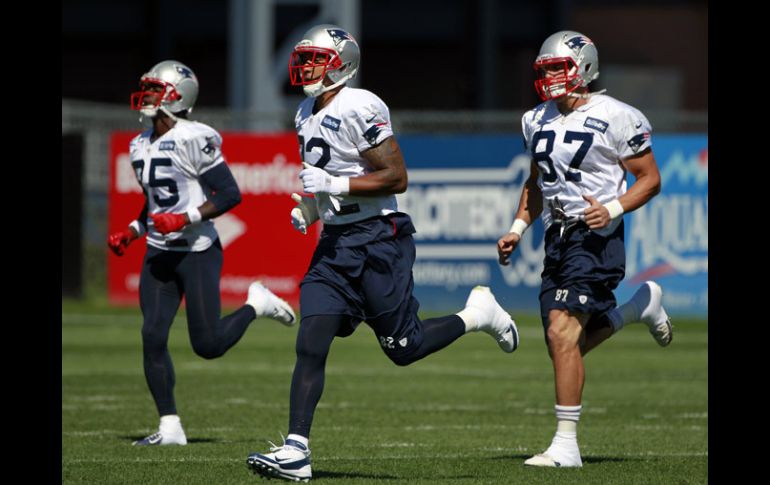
[[316, 180], [304, 214]]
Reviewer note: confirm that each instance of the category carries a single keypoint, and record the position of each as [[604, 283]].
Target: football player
[[362, 267], [582, 143], [186, 183]]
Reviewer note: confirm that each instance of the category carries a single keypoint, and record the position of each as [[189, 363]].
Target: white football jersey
[[581, 153], [168, 170], [333, 139]]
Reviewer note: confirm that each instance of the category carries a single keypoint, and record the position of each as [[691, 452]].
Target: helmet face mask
[[152, 93], [556, 77], [568, 60], [169, 86], [325, 58], [309, 65]]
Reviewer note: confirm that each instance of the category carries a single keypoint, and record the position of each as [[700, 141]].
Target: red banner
[[259, 240]]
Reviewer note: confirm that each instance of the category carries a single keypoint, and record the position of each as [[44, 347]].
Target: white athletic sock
[[170, 420], [625, 313], [567, 418], [171, 426], [471, 317]]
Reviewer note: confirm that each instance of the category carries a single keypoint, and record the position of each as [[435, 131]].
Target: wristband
[[339, 186], [138, 227], [194, 215], [614, 208], [518, 227]]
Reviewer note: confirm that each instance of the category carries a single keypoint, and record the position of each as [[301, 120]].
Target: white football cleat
[[648, 300], [290, 462], [266, 304], [170, 432], [493, 319], [561, 454]]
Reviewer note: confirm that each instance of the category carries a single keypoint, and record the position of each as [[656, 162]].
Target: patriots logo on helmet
[[185, 72], [338, 35], [577, 43]]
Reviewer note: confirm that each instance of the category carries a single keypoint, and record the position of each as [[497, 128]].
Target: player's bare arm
[[531, 200], [138, 228], [647, 186], [530, 207], [389, 176]]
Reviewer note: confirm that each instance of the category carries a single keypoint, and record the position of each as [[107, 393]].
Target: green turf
[[469, 414]]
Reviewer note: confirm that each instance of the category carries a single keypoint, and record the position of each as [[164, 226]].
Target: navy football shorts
[[581, 270], [364, 270]]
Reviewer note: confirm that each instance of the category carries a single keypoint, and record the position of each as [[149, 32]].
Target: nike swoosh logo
[[150, 440], [370, 119], [639, 125], [284, 460]]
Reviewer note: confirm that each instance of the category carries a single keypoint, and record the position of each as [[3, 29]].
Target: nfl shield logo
[[402, 342], [583, 299]]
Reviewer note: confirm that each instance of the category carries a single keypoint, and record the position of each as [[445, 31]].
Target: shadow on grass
[[319, 474], [586, 459], [189, 440], [611, 459], [322, 474]]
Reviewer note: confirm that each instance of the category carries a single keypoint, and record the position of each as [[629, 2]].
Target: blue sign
[[463, 193]]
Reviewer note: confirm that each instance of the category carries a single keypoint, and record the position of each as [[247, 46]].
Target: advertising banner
[[258, 238], [463, 193]]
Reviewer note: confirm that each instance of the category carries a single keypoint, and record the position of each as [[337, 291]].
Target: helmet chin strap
[[316, 89], [313, 90], [169, 114], [584, 95], [146, 117]]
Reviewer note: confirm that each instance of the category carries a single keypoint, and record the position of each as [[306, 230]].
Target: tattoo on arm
[[389, 174], [385, 154]]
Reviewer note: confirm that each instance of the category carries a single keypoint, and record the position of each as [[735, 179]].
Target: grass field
[[469, 414]]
